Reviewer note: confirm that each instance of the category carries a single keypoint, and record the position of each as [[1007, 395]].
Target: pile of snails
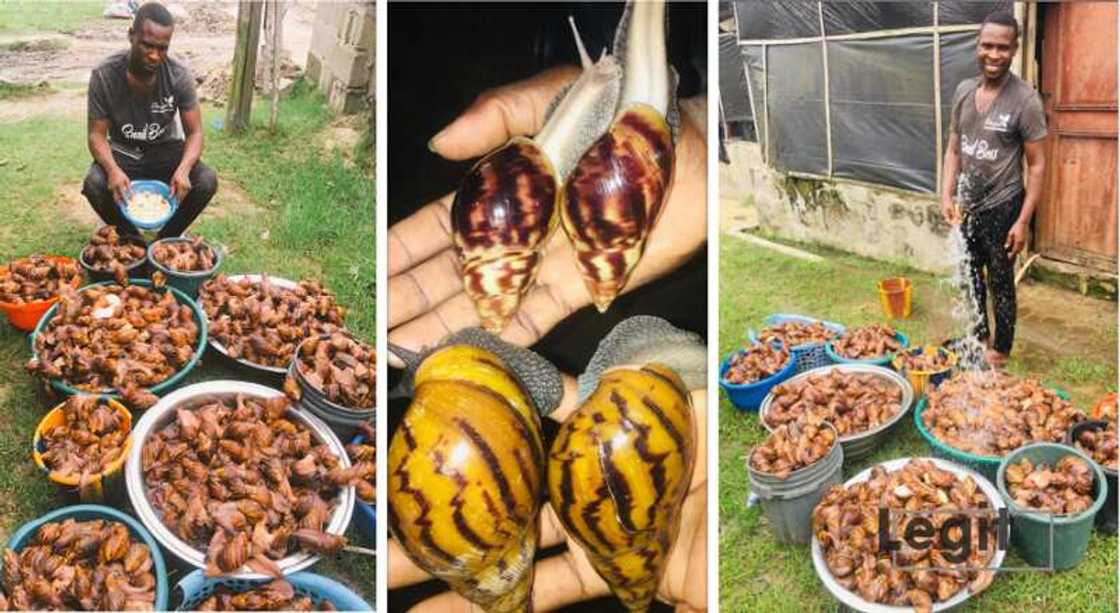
[[755, 363], [263, 323], [277, 595], [73, 565], [795, 333], [185, 256], [91, 437], [108, 251], [846, 524], [793, 446], [601, 166], [867, 342], [925, 361], [108, 336], [467, 466], [35, 278], [852, 402], [1065, 489], [241, 480], [341, 367], [991, 413], [1101, 445]]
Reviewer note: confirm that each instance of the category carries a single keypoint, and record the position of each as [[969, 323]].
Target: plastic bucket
[[885, 360], [749, 396], [788, 503], [1030, 530], [195, 587], [344, 421], [105, 486], [895, 296], [919, 379], [26, 315], [186, 282], [136, 270], [1106, 517], [86, 512]]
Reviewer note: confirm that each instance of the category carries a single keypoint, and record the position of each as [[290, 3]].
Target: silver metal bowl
[[276, 373], [853, 600], [193, 396], [860, 445]]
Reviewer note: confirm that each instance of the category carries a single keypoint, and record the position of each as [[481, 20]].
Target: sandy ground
[[204, 40]]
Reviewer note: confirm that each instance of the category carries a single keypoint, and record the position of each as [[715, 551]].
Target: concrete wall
[[340, 62], [872, 221]]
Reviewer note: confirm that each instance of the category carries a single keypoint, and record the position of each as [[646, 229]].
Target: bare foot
[[996, 359]]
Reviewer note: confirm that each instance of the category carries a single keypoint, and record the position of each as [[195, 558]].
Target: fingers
[[446, 602], [497, 115], [402, 571], [566, 579], [421, 288], [420, 236]]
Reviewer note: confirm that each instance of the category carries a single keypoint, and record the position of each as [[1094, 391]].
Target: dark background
[[440, 58]]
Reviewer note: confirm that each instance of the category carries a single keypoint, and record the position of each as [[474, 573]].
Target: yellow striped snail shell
[[465, 473], [614, 195], [618, 472]]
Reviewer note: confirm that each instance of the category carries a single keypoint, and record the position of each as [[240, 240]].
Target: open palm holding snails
[[428, 299]]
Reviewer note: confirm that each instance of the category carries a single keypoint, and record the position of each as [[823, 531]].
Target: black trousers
[[158, 163], [985, 234]]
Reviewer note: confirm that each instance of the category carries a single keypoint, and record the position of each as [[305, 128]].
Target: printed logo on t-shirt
[[999, 124], [167, 105], [978, 148], [149, 133]]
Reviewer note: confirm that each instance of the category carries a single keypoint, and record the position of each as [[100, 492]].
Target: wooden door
[[1076, 219]]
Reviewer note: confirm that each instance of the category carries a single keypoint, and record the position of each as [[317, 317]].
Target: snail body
[[618, 472], [465, 476], [616, 192]]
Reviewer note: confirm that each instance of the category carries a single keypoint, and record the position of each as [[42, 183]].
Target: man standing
[[145, 123], [997, 119]]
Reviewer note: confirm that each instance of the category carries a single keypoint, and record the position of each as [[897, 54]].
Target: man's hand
[[426, 298], [569, 578], [949, 211], [180, 184], [119, 185], [1016, 239]]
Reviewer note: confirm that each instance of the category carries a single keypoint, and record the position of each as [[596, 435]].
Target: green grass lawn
[[283, 207], [756, 572], [49, 15]]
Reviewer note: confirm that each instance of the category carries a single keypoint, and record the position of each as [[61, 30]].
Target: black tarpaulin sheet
[[777, 20], [752, 63], [851, 17], [962, 13], [733, 92], [881, 95], [958, 62], [795, 103]]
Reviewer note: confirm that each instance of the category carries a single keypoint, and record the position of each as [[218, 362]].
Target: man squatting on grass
[[134, 98], [996, 119]]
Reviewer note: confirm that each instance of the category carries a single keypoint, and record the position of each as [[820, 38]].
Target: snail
[[505, 210], [465, 477], [615, 193], [618, 473]]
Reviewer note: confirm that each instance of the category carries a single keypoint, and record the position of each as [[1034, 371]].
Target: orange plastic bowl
[[25, 316]]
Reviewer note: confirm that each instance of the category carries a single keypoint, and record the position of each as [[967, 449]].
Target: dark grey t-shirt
[[138, 121], [991, 143]]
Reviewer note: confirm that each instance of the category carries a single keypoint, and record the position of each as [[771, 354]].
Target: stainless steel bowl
[[276, 373], [193, 396], [853, 600], [856, 446]]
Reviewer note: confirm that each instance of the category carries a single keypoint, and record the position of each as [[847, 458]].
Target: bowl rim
[[187, 274], [71, 480], [852, 599], [68, 389], [195, 394], [897, 379]]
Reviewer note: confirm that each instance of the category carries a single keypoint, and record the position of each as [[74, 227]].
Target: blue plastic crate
[[808, 355], [195, 587]]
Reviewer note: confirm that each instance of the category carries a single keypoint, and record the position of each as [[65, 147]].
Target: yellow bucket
[[95, 489], [920, 379], [894, 295]]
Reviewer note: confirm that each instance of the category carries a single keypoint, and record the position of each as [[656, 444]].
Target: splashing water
[[965, 311]]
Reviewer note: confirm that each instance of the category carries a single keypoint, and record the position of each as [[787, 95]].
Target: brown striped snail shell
[[465, 476], [618, 472], [507, 206], [613, 197]]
